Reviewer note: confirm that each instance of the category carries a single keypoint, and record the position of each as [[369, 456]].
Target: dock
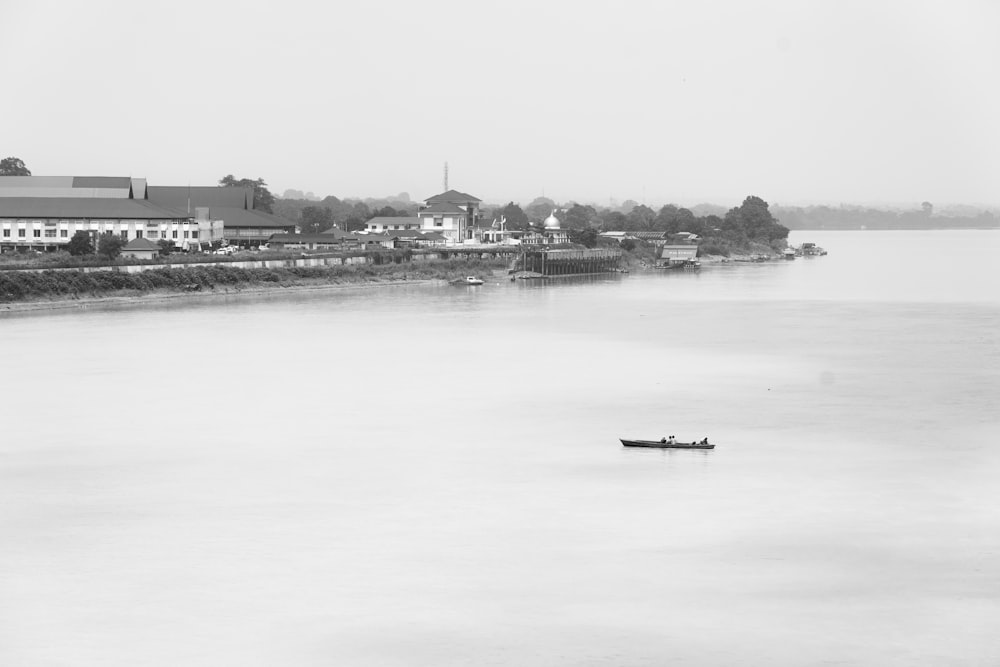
[[569, 262]]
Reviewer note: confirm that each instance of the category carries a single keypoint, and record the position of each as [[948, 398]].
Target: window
[[50, 233], [124, 235], [138, 233], [194, 234], [185, 234], [154, 234], [64, 233], [20, 233], [6, 233], [175, 233]]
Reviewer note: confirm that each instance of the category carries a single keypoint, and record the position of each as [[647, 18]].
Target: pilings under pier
[[568, 262]]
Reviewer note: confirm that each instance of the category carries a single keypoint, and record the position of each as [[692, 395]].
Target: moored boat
[[668, 444], [467, 280]]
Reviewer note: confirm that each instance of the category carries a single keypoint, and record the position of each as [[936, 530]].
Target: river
[[431, 475]]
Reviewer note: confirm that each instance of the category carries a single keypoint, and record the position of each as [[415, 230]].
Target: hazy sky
[[797, 101]]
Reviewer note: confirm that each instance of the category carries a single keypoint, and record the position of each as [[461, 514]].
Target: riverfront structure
[[44, 212]]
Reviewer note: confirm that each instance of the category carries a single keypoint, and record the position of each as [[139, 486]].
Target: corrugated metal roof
[[65, 186], [238, 217], [68, 208], [179, 196], [443, 207], [35, 182], [106, 182], [141, 244], [310, 238], [453, 197], [393, 220]]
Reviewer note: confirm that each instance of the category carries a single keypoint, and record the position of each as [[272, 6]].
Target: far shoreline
[[82, 303]]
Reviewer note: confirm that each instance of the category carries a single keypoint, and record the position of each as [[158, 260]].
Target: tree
[[80, 244], [385, 212], [612, 221], [580, 217], [640, 218], [316, 219], [13, 166], [753, 220], [585, 237], [167, 246], [263, 200], [110, 245], [539, 209], [516, 218]]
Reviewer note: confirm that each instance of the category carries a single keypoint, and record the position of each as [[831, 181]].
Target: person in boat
[[672, 441], [663, 439], [705, 441]]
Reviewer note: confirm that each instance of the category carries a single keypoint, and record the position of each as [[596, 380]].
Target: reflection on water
[[426, 475]]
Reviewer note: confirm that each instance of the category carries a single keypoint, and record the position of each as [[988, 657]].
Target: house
[[677, 254], [416, 239], [389, 224], [233, 207], [656, 239], [431, 240], [141, 248], [452, 214], [328, 240], [370, 241]]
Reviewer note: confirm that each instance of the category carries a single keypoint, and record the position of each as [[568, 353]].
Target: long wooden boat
[[660, 444]]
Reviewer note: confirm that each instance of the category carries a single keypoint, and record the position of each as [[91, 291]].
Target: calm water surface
[[431, 475]]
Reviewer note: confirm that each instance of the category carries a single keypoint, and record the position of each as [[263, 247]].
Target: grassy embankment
[[18, 286]]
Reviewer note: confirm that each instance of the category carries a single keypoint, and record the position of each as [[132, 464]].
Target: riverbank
[[69, 303], [50, 290]]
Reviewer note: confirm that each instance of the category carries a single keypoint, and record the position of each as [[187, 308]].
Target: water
[[430, 475]]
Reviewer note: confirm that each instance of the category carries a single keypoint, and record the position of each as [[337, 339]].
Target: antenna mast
[[446, 177]]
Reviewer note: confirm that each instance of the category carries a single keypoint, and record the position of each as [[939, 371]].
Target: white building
[[28, 223], [452, 214], [44, 212]]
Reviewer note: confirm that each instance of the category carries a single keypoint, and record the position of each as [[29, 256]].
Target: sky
[[798, 102]]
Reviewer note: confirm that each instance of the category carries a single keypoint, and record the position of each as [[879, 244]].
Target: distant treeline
[[857, 217]]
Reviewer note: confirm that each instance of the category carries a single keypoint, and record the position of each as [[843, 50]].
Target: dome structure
[[552, 222]]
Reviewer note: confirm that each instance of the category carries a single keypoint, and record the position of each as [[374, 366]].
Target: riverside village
[[65, 226]]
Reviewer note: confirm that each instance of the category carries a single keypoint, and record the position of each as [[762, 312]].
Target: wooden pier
[[550, 263]]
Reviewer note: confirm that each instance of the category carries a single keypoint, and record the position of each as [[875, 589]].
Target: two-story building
[[44, 212], [452, 214]]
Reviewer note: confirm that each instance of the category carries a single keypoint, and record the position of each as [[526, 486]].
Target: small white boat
[[468, 280]]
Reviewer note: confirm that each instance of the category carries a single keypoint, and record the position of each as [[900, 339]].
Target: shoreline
[[164, 296]]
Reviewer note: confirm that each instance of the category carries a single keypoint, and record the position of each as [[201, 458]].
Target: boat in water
[[468, 280], [664, 443]]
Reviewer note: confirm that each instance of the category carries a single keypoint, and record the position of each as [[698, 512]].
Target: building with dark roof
[[73, 187], [330, 240], [390, 223], [141, 249], [452, 214], [49, 222], [243, 225]]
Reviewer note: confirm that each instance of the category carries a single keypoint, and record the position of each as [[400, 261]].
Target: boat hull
[[656, 444]]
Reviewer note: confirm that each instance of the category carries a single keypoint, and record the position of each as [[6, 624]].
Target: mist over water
[[431, 475]]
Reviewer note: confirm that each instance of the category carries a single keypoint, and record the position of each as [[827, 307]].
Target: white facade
[[449, 225], [50, 233]]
